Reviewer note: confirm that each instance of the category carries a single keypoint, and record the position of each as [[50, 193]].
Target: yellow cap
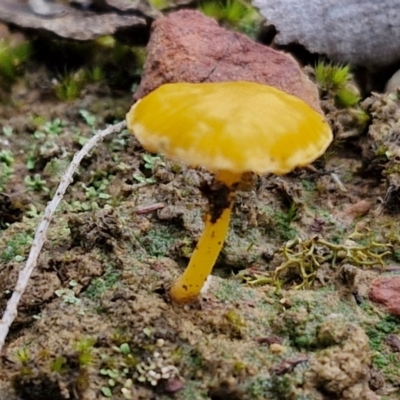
[[231, 126]]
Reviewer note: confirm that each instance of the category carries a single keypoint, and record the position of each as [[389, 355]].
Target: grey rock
[[359, 32], [46, 8], [393, 83], [65, 21]]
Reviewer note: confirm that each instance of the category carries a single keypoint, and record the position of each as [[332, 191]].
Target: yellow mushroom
[[229, 128]]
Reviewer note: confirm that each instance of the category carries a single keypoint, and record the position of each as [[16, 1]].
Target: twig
[[150, 208], [336, 179], [40, 235], [288, 365]]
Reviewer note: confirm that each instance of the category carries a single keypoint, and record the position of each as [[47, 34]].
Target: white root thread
[[40, 235]]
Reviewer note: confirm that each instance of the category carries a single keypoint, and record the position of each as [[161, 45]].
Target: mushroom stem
[[187, 288]]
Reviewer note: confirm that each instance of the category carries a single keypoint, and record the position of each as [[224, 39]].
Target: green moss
[[257, 386], [237, 14], [332, 76], [280, 223], [46, 374], [384, 359], [308, 310], [275, 387], [69, 85], [17, 246], [12, 58], [334, 79], [98, 286], [377, 334], [160, 4], [58, 364], [36, 183], [308, 185], [279, 386], [84, 348], [159, 241], [388, 325], [6, 168], [346, 97], [193, 390], [235, 318], [301, 327], [232, 291], [23, 355]]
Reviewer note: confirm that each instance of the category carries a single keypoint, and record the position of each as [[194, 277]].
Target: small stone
[[169, 372], [153, 374], [386, 290], [168, 368], [277, 348], [46, 9], [173, 385], [139, 368], [394, 342], [160, 342], [128, 383], [355, 210], [286, 303], [186, 46], [126, 393], [69, 22], [393, 83]]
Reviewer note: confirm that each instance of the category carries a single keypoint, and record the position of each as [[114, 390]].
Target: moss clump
[[12, 58], [304, 314], [51, 377], [381, 151], [237, 14], [335, 80], [380, 335], [341, 369]]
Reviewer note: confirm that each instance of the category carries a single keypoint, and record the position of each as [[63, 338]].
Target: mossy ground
[[96, 321]]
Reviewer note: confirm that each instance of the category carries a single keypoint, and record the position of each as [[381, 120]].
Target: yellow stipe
[[228, 177], [187, 288]]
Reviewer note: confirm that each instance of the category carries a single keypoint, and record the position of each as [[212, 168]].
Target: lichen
[[302, 260]]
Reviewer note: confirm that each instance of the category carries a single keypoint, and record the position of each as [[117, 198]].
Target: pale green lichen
[[304, 258]]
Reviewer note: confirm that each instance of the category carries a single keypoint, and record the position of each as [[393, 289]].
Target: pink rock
[[356, 210], [173, 385], [187, 46], [386, 290]]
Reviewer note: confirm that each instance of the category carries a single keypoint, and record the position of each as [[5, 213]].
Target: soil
[[286, 314]]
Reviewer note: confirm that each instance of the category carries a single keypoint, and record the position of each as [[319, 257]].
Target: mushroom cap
[[232, 126]]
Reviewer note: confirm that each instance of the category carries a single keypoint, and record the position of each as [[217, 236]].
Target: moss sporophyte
[[230, 128]]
